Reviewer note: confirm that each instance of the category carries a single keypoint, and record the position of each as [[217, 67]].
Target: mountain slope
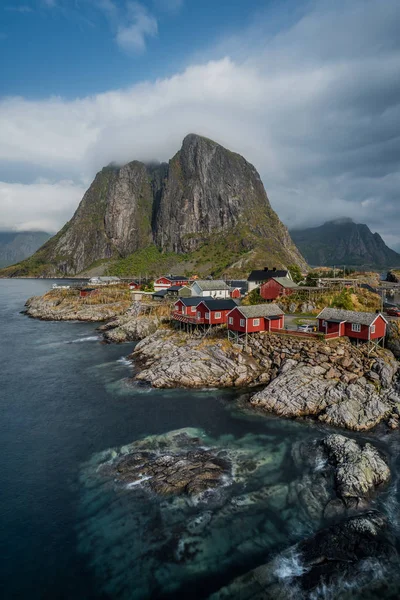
[[343, 242], [182, 208], [15, 246]]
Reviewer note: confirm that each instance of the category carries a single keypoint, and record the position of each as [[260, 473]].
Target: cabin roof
[[350, 316], [215, 304], [161, 293], [261, 310], [174, 288], [193, 300], [173, 277], [212, 284], [265, 274], [285, 282]]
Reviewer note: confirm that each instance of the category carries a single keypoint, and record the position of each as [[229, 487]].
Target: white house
[[216, 288]]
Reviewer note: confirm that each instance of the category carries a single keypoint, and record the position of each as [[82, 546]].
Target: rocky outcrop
[[344, 242], [55, 307], [128, 328], [171, 473], [205, 190], [305, 391], [358, 470], [170, 360], [336, 383]]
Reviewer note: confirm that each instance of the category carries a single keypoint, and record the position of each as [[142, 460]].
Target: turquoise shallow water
[[66, 399]]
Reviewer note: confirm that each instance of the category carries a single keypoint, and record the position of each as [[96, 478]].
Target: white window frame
[[230, 320], [207, 315], [194, 308], [324, 324], [217, 315], [198, 314], [372, 328], [242, 322], [256, 322], [356, 327]]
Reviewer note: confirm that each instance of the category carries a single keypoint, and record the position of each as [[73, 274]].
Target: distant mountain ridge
[[344, 242], [206, 200], [18, 245]]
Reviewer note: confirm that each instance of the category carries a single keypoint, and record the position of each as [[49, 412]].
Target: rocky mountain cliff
[[343, 242], [17, 245], [203, 192]]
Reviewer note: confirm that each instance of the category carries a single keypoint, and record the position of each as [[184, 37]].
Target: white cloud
[[140, 25], [39, 206], [319, 117]]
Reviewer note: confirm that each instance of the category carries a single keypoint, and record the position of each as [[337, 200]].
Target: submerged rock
[[150, 526], [190, 473], [169, 511], [347, 555]]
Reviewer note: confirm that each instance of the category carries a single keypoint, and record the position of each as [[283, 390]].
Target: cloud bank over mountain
[[315, 105]]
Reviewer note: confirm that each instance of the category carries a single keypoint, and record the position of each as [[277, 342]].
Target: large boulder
[[315, 391], [359, 470]]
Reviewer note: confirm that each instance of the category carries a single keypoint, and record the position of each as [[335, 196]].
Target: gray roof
[[212, 284], [351, 316], [261, 310], [285, 282]]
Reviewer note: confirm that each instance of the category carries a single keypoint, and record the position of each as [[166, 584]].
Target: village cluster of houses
[[208, 303]]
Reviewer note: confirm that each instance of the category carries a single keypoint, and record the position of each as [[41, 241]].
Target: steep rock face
[[344, 242], [113, 219], [204, 191], [210, 190]]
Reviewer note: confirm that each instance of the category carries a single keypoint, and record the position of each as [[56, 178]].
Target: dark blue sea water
[[65, 398]]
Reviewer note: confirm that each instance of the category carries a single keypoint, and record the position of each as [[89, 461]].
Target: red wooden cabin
[[261, 317], [185, 309], [235, 293], [276, 287], [134, 285], [356, 325], [214, 312], [84, 292], [163, 283]]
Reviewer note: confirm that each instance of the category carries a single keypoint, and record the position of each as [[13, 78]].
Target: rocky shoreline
[[332, 382], [52, 307], [336, 382]]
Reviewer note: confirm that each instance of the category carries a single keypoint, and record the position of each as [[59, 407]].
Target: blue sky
[[72, 47], [307, 90]]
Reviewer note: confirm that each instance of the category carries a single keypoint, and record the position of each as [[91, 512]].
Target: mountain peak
[[355, 246], [204, 192]]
